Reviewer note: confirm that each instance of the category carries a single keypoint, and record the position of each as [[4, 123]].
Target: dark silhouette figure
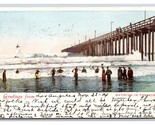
[[17, 71], [75, 70], [60, 70], [130, 73], [53, 72], [84, 70], [4, 76], [97, 70], [119, 73], [131, 26], [124, 73], [17, 46], [37, 75], [103, 76], [108, 73]]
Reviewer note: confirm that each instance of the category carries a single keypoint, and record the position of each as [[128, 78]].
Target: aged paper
[[77, 62], [77, 105]]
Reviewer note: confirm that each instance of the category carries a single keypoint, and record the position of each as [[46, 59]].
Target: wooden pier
[[138, 36]]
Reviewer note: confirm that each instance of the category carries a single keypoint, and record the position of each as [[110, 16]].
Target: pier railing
[[132, 27], [137, 36]]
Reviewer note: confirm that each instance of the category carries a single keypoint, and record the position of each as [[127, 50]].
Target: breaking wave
[[28, 63]]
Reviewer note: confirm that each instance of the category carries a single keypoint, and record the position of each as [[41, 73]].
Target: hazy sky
[[52, 31]]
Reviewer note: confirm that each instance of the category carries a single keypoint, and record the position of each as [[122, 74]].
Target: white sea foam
[[28, 64]]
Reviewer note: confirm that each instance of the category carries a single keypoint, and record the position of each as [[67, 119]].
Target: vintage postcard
[[77, 62]]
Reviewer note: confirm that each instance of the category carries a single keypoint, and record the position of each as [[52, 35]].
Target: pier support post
[[141, 45], [87, 50], [96, 49], [127, 44], [149, 44], [123, 44], [119, 46], [108, 47], [115, 46], [136, 42], [101, 48], [104, 48], [131, 45], [98, 46], [93, 50], [112, 47], [134, 46], [152, 45], [145, 44]]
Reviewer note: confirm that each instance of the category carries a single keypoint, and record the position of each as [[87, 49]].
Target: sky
[[51, 31]]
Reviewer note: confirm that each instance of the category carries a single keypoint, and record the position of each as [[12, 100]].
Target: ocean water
[[144, 73]]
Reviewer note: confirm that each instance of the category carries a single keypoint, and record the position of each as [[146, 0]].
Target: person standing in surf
[[124, 73], [103, 75], [60, 70], [108, 73], [75, 70], [97, 70], [37, 75], [4, 76], [53, 72], [84, 70], [17, 71], [119, 73], [130, 73]]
